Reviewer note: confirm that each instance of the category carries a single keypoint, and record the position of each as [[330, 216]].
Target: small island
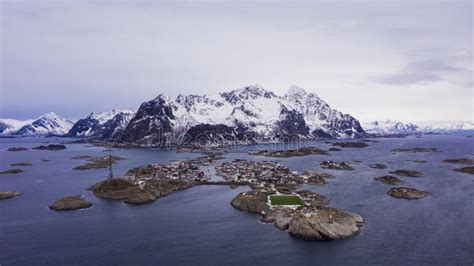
[[459, 161], [11, 171], [96, 162], [409, 173], [21, 164], [50, 147], [17, 149], [378, 166], [290, 153], [467, 170], [390, 180], [415, 150], [317, 178], [407, 193], [70, 203], [336, 165], [9, 195], [301, 213], [351, 144]]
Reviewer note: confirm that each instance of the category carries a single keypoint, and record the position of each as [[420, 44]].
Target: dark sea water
[[199, 227]]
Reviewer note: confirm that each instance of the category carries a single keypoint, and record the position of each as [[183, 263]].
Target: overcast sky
[[406, 60]]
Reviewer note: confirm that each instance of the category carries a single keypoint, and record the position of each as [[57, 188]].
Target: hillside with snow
[[102, 125], [9, 126]]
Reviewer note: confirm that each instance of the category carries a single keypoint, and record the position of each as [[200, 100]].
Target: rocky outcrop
[[70, 203], [131, 193], [97, 162], [324, 223], [351, 144], [50, 147], [21, 164], [336, 165], [291, 153], [317, 178], [138, 196], [407, 193], [253, 201], [115, 189], [416, 149], [467, 170], [459, 161], [9, 195], [17, 149], [409, 173], [388, 179], [312, 198], [378, 166], [11, 171]]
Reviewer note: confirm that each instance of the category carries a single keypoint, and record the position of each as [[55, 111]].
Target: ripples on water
[[199, 227]]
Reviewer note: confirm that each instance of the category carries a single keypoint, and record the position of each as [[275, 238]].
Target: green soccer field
[[286, 200]]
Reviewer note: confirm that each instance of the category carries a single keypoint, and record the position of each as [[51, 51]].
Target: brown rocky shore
[[9, 194], [407, 193], [96, 162], [131, 193], [467, 170], [388, 179], [409, 173], [70, 203], [50, 147], [336, 165]]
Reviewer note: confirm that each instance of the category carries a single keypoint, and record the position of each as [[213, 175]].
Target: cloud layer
[[408, 60]]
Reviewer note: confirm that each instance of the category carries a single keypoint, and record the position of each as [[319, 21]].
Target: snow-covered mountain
[[247, 114], [397, 128], [9, 126], [102, 125], [47, 124], [390, 128], [445, 127]]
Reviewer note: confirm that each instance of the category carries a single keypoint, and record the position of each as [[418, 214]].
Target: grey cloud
[[421, 72]]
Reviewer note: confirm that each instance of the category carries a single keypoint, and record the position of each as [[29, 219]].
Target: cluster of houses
[[257, 172], [187, 169]]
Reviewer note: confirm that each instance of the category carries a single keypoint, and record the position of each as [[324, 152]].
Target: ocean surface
[[198, 226]]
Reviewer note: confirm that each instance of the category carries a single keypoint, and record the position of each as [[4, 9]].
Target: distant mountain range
[[45, 125], [246, 115], [397, 128]]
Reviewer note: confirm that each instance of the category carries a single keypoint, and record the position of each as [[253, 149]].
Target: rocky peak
[[296, 91], [162, 98], [50, 116], [246, 93]]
